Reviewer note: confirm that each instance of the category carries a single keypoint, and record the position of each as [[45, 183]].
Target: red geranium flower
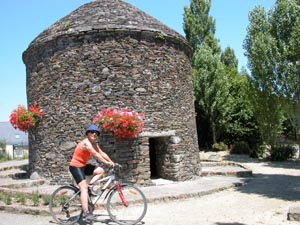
[[123, 124], [23, 119]]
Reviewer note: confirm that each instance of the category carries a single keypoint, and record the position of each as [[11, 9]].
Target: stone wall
[[72, 77]]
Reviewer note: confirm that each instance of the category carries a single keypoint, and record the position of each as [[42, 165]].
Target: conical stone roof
[[105, 15]]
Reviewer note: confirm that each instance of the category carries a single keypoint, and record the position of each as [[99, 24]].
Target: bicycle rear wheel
[[127, 207], [65, 206]]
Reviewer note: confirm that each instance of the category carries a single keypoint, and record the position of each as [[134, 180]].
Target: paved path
[[264, 199]]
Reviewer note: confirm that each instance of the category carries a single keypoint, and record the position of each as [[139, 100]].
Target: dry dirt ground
[[265, 199]]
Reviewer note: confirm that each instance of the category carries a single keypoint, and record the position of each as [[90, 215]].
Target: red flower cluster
[[23, 119], [123, 124]]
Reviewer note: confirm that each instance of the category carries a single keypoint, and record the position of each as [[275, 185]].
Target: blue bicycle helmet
[[93, 128]]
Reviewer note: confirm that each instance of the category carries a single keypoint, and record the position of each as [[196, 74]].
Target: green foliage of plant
[[240, 147], [228, 58], [198, 24], [67, 25], [46, 199], [221, 146], [3, 156], [259, 152], [223, 110], [2, 146], [1, 196], [62, 199], [35, 198], [272, 49], [282, 152], [7, 199], [21, 198], [160, 36], [238, 121], [59, 200]]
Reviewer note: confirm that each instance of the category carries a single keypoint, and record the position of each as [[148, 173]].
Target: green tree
[[284, 22], [229, 59], [217, 84], [272, 47], [238, 120], [2, 145], [210, 87], [198, 25], [199, 28]]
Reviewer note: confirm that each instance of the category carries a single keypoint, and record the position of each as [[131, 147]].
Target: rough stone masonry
[[109, 54]]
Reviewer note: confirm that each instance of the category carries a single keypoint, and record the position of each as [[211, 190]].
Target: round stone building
[[109, 54]]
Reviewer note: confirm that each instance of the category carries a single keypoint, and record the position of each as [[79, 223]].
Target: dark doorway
[[153, 157]]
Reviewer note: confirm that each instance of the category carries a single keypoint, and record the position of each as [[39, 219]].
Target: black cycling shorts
[[79, 172]]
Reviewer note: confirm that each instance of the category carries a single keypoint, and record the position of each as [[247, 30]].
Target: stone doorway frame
[[159, 143]]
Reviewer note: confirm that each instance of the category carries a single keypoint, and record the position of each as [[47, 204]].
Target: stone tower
[[109, 54]]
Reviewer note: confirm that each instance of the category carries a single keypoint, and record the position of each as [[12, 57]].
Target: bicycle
[[126, 204]]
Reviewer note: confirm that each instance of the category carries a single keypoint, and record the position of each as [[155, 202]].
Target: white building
[[15, 141]]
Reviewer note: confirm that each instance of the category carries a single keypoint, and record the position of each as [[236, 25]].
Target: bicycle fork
[[124, 202]]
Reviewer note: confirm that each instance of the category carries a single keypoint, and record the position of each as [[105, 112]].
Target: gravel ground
[[266, 199]]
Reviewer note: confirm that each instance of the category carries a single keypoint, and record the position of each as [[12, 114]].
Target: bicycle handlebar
[[117, 165]]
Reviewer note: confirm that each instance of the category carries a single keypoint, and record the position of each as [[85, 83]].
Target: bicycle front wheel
[[65, 206], [127, 206]]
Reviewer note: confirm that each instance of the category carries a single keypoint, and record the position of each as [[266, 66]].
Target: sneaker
[[87, 216]]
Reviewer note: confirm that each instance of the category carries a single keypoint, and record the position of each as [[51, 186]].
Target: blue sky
[[23, 20]]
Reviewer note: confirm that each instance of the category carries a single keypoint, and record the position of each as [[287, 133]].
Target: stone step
[[15, 164], [212, 168], [219, 163], [18, 183], [226, 171], [14, 173], [294, 213]]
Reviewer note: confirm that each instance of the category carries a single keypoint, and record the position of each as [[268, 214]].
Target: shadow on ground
[[288, 164], [220, 223], [280, 186]]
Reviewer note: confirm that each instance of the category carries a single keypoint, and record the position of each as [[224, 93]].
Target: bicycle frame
[[108, 179], [117, 185]]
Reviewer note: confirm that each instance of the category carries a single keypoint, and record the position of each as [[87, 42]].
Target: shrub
[[221, 146], [260, 152], [282, 152], [240, 147]]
